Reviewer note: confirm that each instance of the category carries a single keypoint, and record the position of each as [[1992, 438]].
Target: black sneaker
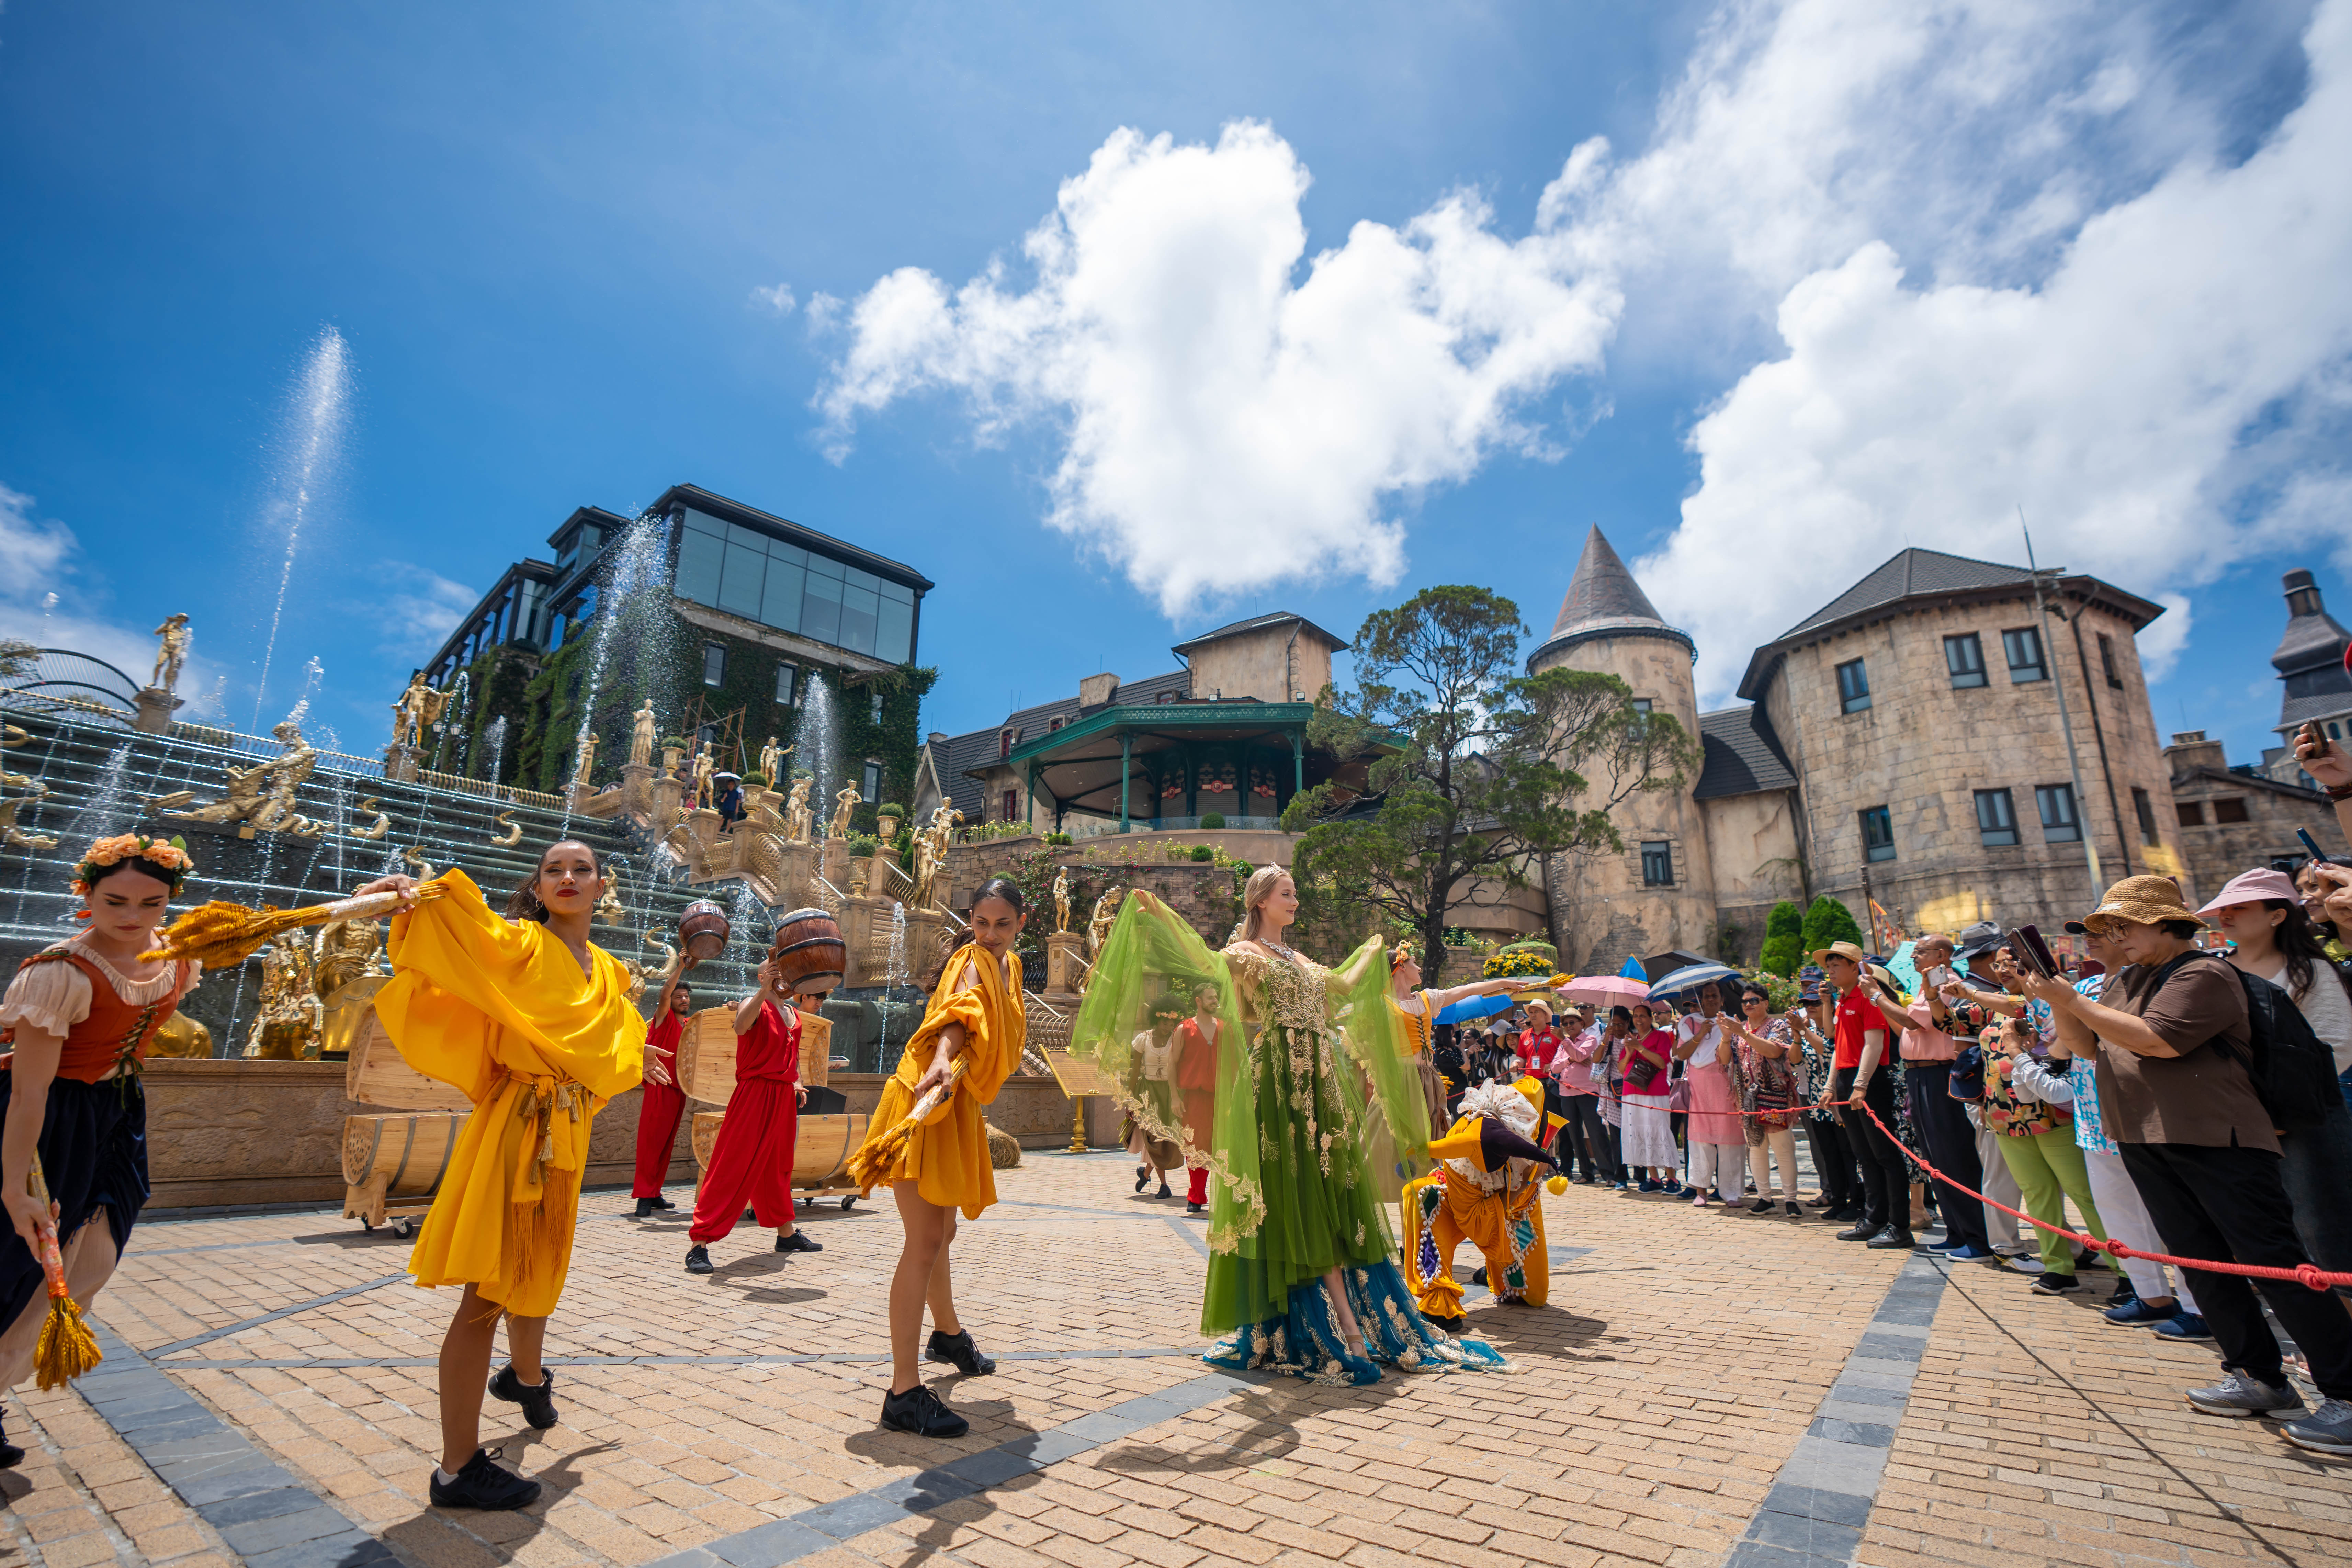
[[698, 1260], [647, 1207], [538, 1404], [1761, 1205], [958, 1351], [1142, 1177], [798, 1242], [483, 1484], [2049, 1284], [1478, 1276], [1163, 1192], [921, 1412], [663, 1203], [1791, 1210], [1191, 1207], [1861, 1230], [1889, 1239]]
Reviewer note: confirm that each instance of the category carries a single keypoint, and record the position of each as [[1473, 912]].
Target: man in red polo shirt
[[1860, 1033]]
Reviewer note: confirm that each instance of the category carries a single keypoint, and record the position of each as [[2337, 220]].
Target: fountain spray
[[310, 444]]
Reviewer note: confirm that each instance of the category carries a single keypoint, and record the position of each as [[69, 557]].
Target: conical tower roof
[[1603, 600]]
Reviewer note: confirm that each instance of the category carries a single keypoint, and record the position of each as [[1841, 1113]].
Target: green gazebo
[[1164, 765]]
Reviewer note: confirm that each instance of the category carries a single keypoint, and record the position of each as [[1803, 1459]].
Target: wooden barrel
[[399, 1155], [706, 1054], [703, 930], [821, 1149], [808, 952], [376, 1075]]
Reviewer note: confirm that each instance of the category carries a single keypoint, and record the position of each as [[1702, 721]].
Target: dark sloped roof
[[1603, 600], [954, 758], [1272, 619], [1908, 572], [1743, 754], [1137, 693]]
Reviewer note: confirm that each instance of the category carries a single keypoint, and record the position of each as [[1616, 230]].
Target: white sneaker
[[2239, 1394]]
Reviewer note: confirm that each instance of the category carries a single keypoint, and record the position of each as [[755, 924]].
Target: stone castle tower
[[1659, 892]]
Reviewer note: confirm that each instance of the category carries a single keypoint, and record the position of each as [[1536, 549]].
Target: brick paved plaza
[[1703, 1389]]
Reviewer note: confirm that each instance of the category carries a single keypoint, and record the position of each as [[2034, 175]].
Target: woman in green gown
[[1302, 1264]]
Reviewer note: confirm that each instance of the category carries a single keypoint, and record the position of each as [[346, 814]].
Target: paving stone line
[[820, 1529], [1814, 1514], [264, 1514], [327, 1300], [197, 1363]]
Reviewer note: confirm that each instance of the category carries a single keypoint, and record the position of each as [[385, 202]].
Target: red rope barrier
[[2309, 1275]]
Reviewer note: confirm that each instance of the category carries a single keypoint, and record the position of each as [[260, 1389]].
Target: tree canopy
[[1474, 772]]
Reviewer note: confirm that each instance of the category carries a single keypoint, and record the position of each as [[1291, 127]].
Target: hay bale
[[1003, 1149]]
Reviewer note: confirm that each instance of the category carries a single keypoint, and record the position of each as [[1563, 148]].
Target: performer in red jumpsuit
[[664, 1101], [1196, 1082], [752, 1158]]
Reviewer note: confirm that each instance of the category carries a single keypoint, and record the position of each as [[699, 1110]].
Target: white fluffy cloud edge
[[1974, 257]]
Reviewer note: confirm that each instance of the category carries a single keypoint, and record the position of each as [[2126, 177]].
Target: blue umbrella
[[1471, 1007], [1690, 976], [1633, 971]]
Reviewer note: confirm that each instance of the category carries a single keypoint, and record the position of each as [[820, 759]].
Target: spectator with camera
[[2174, 1036]]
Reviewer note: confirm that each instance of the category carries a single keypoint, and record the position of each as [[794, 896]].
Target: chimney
[[2302, 593], [1095, 690], [2190, 750]]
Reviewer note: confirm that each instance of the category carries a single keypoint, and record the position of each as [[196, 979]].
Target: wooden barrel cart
[[393, 1159], [706, 1071]]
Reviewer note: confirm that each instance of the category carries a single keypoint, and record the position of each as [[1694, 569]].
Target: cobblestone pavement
[[1704, 1388]]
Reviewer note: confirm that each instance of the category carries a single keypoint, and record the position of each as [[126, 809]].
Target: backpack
[[2293, 1070]]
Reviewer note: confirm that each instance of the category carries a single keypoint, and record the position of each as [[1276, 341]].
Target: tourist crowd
[[2150, 1085]]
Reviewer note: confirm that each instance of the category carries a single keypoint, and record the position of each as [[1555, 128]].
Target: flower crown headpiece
[[168, 855], [1400, 955]]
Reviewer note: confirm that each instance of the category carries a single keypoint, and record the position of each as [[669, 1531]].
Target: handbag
[[1641, 1075], [1678, 1096]]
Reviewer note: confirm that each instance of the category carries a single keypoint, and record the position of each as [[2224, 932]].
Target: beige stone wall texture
[[239, 1132], [1602, 909], [2215, 852], [1267, 664], [1923, 748]]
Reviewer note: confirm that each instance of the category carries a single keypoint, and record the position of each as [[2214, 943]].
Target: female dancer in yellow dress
[[975, 1015], [1302, 1262], [1417, 1012], [533, 1023]]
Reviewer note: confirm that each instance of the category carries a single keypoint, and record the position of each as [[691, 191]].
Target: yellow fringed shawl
[[947, 1156], [501, 1012]]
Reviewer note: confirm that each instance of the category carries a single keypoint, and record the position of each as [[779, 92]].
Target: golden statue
[[513, 834], [799, 821], [342, 951], [286, 1029], [1098, 927], [173, 655], [180, 1035], [419, 708], [1061, 899], [844, 802], [642, 728], [376, 829], [415, 857], [608, 908], [772, 762], [706, 776], [584, 755], [12, 736], [931, 855], [23, 781], [263, 795], [15, 838]]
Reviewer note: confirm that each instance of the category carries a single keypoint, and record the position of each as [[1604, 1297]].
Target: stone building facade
[[1903, 745], [2239, 819]]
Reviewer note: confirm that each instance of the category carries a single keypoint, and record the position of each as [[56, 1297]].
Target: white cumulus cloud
[[2164, 401], [419, 609], [1226, 422], [779, 299]]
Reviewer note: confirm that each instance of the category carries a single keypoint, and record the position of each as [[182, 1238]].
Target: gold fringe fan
[[220, 935], [872, 1162]]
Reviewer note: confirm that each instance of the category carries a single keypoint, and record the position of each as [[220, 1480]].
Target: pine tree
[[1784, 940], [1827, 922]]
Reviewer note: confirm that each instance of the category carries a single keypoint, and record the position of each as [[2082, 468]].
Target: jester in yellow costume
[[1487, 1190]]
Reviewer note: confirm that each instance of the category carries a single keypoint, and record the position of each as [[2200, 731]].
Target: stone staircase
[[98, 778]]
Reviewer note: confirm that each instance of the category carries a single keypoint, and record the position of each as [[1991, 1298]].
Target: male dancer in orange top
[[753, 1156]]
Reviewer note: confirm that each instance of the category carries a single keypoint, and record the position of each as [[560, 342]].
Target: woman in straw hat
[[2173, 1037]]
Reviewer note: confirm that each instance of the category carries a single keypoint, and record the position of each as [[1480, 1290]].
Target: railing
[[266, 747]]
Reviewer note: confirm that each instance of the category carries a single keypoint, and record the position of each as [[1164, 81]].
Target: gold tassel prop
[[65, 1349], [868, 1166], [221, 935]]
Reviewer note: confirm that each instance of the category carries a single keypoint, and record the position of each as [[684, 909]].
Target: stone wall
[[1923, 748], [1268, 664], [269, 1132], [2214, 850]]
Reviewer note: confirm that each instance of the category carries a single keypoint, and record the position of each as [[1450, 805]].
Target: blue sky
[[1838, 282]]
